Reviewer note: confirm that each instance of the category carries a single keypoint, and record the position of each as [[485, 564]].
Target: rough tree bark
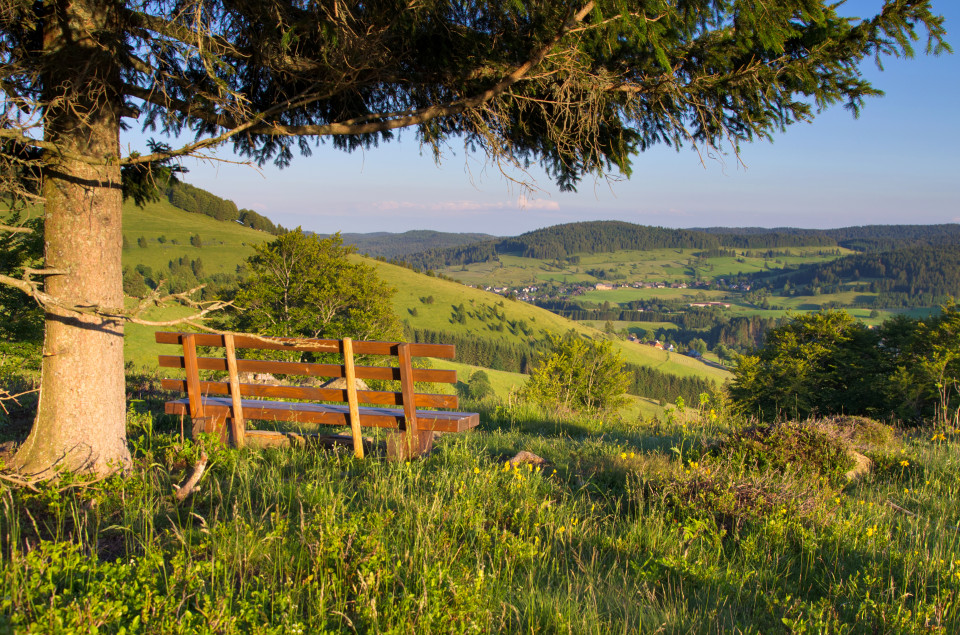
[[81, 416]]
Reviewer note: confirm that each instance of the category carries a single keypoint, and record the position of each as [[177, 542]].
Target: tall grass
[[626, 528]]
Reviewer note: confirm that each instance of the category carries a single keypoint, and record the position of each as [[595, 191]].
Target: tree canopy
[[304, 286], [578, 374], [828, 363], [578, 88]]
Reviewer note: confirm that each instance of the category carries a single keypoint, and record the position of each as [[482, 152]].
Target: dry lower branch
[[6, 396], [50, 304], [184, 489], [15, 230]]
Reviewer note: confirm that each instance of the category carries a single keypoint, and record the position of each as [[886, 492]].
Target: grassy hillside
[[633, 266], [225, 244], [414, 288]]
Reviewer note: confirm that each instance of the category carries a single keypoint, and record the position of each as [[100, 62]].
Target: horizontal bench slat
[[443, 351], [310, 393], [314, 370], [437, 421]]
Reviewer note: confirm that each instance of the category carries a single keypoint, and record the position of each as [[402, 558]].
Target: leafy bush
[[828, 363], [578, 374]]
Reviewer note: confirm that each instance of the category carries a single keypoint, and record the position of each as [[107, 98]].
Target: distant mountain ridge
[[397, 245], [564, 241]]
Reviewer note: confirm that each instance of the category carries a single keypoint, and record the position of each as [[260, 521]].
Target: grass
[[629, 266], [437, 315], [225, 244], [627, 528]]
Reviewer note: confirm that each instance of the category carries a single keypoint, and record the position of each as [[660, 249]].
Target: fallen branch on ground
[[184, 489]]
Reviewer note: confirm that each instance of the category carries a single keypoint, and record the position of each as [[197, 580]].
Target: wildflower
[[476, 470], [905, 463], [871, 531], [529, 467], [623, 455], [906, 490], [632, 455], [837, 500], [561, 529]]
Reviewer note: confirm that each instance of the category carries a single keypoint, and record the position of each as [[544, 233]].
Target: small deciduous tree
[[300, 285], [925, 366], [479, 385], [578, 374]]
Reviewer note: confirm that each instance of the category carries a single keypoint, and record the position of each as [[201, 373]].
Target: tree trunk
[[80, 422]]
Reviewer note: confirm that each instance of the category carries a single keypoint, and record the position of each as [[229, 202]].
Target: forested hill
[[862, 238], [563, 241], [391, 245], [913, 276], [190, 198]]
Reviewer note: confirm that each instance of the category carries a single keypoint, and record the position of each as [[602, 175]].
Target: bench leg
[[210, 425], [398, 449]]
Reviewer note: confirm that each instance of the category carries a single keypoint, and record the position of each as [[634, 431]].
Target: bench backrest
[[346, 348]]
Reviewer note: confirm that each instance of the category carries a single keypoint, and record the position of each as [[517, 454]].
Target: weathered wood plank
[[313, 370], [325, 414], [311, 393], [409, 401], [353, 404], [237, 425], [442, 351], [189, 361]]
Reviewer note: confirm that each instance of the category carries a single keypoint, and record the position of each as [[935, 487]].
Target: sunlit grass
[[608, 535]]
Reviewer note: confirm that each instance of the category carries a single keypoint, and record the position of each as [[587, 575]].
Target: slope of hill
[[167, 231], [429, 303], [859, 238], [561, 242]]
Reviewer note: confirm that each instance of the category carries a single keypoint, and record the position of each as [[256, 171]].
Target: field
[[225, 244], [669, 527], [629, 266], [437, 315]]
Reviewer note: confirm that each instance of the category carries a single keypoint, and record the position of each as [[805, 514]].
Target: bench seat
[[328, 414]]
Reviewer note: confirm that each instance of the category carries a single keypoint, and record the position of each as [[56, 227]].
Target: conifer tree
[[578, 87]]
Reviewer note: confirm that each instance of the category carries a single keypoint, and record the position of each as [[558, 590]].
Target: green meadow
[[692, 523], [225, 244], [657, 265]]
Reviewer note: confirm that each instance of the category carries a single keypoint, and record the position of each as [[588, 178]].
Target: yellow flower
[[871, 531], [476, 470], [632, 455], [623, 455], [905, 463]]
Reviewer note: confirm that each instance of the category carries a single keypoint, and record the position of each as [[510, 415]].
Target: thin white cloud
[[537, 203]]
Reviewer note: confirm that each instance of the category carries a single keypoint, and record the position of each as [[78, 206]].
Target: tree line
[[913, 276], [198, 201], [829, 363], [562, 242]]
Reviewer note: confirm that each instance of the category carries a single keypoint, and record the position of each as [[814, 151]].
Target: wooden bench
[[211, 405]]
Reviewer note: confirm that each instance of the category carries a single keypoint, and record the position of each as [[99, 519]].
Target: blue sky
[[897, 163]]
